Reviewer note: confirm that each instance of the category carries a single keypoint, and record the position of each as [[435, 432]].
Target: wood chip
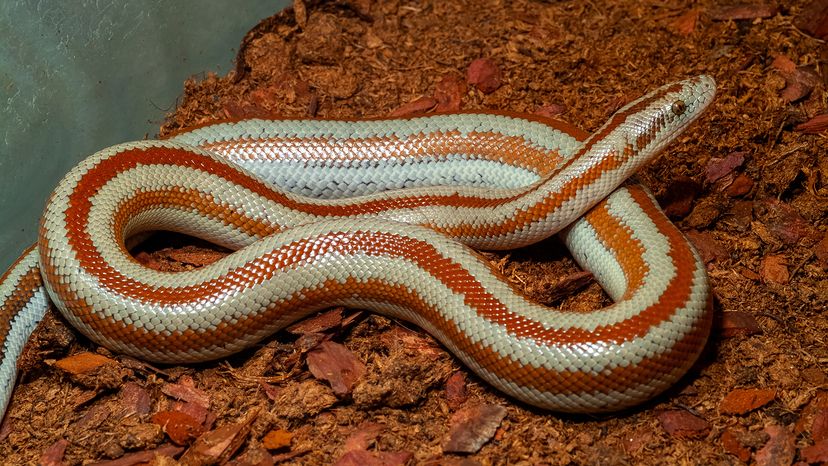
[[84, 363], [717, 168], [816, 453], [709, 248], [779, 450], [743, 12], [470, 428], [180, 427], [732, 445], [813, 19], [186, 393], [319, 323], [217, 446], [418, 106], [799, 81], [363, 436], [815, 125], [685, 25], [337, 365], [677, 201], [456, 393], [276, 439], [743, 400], [135, 399], [552, 111], [774, 269], [53, 455], [485, 75], [143, 457], [738, 323], [819, 427], [380, 458], [449, 93], [683, 424], [741, 185]]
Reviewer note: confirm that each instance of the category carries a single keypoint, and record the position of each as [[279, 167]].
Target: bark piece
[[815, 125], [718, 168], [780, 448], [319, 323], [143, 457], [180, 427], [417, 106], [449, 93], [337, 365], [683, 424], [744, 12], [456, 393], [276, 439], [774, 269], [470, 428], [732, 445], [743, 400], [735, 323], [816, 453], [485, 75], [813, 19], [53, 455], [685, 24]]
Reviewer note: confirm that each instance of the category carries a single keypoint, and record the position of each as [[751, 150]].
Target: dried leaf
[[471, 427], [743, 400]]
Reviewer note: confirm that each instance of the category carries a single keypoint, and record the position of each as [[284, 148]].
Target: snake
[[386, 215]]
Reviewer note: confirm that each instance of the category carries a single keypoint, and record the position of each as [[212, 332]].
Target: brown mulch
[[748, 183]]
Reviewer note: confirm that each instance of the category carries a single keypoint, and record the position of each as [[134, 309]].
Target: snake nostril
[[678, 107]]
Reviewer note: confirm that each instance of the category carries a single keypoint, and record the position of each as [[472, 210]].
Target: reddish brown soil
[[746, 183]]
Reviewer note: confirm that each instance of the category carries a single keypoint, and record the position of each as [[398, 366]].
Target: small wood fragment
[[337, 365], [683, 424], [744, 400], [780, 448], [470, 428], [485, 75]]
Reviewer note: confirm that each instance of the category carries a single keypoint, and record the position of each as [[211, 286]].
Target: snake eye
[[678, 107]]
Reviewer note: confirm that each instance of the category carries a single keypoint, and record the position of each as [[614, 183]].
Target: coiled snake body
[[382, 215]]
